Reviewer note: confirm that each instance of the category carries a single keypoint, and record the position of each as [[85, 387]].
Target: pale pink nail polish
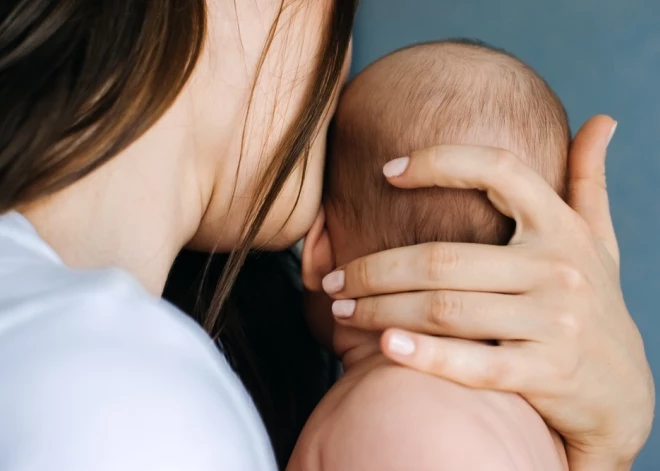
[[344, 308], [401, 344], [334, 282], [396, 167]]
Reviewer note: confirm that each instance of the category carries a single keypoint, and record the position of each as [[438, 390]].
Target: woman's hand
[[552, 298]]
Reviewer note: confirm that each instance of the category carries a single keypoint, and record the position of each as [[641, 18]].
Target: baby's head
[[449, 92]]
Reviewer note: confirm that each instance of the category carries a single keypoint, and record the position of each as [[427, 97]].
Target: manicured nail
[[344, 308], [334, 282], [612, 133], [396, 167], [401, 344]]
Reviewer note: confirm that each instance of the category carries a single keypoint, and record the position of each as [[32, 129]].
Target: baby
[[380, 416]]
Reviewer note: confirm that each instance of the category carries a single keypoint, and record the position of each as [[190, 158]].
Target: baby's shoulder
[[390, 418]]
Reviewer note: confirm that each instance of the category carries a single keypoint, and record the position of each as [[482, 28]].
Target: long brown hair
[[81, 80], [292, 150], [265, 336]]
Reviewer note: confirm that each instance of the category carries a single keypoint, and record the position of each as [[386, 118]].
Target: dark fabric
[[265, 337]]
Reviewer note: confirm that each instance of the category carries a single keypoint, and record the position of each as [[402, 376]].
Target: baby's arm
[[395, 419]]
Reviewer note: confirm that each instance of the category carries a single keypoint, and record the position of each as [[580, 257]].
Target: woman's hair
[[268, 344], [293, 150], [80, 80]]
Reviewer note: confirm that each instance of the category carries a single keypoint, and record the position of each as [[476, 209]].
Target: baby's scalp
[[445, 92]]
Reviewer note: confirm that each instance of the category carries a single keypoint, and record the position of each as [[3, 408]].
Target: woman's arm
[[552, 297], [104, 384]]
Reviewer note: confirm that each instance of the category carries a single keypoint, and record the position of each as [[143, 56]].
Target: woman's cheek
[[298, 204], [288, 221]]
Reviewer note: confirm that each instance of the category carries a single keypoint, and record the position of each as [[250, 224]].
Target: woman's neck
[[136, 212]]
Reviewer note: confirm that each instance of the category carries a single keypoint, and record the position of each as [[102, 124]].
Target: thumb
[[587, 186]]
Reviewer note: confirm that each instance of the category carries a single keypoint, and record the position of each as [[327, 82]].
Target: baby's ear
[[317, 257]]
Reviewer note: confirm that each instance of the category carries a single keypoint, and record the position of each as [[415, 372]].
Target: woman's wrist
[[590, 462]]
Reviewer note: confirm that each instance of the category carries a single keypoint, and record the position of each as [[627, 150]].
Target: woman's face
[[241, 117]]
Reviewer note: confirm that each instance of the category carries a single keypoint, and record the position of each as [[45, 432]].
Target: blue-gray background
[[600, 56]]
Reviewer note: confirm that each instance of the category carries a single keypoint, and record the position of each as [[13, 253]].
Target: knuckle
[[365, 275], [569, 324], [440, 260], [569, 277], [496, 374], [504, 162], [434, 362], [434, 156], [443, 308], [367, 312], [430, 358]]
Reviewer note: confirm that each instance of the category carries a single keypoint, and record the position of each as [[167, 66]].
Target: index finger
[[439, 265], [513, 187]]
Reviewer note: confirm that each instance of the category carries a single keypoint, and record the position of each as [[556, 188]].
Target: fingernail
[[612, 133], [396, 167], [334, 282], [344, 308], [401, 344]]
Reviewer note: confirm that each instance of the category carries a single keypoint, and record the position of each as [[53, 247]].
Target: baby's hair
[[457, 91]]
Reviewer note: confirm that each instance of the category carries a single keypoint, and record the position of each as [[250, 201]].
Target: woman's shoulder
[[98, 374]]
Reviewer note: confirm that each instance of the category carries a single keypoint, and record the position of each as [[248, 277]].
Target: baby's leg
[[384, 417]]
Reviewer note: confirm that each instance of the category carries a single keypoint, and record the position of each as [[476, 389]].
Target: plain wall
[[600, 56]]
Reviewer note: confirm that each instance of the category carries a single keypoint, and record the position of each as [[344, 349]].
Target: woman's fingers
[[473, 364], [513, 187], [438, 265], [464, 314], [587, 188]]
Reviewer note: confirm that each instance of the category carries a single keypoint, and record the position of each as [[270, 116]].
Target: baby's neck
[[353, 346]]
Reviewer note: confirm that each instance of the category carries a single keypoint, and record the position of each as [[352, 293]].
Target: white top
[[96, 374]]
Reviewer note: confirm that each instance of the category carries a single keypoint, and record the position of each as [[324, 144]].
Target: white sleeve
[[97, 391]]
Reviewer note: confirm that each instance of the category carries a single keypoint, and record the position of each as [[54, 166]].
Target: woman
[[129, 130]]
